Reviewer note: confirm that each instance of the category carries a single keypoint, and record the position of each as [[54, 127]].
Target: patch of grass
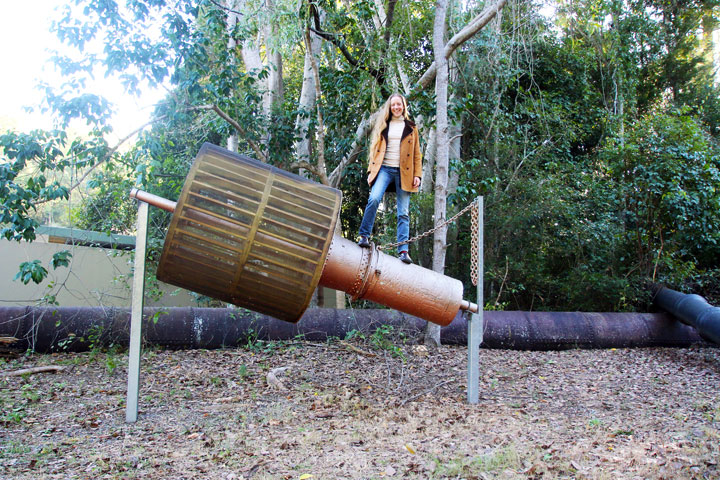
[[13, 415], [242, 372], [29, 393], [13, 449], [594, 422], [497, 461], [709, 410], [59, 386], [255, 344], [383, 338]]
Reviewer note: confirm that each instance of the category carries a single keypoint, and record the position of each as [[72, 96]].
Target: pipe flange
[[356, 288], [370, 271]]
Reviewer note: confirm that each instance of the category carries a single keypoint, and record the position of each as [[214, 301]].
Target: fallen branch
[[30, 371], [425, 392], [7, 340], [356, 349]]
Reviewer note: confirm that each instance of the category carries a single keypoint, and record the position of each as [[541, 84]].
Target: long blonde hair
[[381, 122]]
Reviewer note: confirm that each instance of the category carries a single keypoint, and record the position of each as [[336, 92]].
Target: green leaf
[[32, 270], [61, 259]]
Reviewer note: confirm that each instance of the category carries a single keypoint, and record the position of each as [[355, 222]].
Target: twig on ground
[[355, 349], [425, 392], [30, 371]]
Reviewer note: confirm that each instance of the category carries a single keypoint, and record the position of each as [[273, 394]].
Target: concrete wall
[[95, 277]]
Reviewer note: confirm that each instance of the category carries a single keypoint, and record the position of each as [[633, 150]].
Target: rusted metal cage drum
[[249, 234]]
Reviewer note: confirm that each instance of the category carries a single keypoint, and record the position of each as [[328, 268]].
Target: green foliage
[[19, 192], [665, 176], [61, 259], [255, 344], [384, 338], [31, 270]]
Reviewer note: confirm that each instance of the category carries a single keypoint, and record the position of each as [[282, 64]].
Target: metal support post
[[475, 322], [138, 294]]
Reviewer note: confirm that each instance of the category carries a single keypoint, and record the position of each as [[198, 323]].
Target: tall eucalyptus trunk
[[232, 20], [432, 332], [306, 105], [429, 162]]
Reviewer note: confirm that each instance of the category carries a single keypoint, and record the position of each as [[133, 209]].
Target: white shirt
[[392, 150]]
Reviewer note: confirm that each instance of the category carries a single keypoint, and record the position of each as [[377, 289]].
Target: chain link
[[439, 226], [474, 273]]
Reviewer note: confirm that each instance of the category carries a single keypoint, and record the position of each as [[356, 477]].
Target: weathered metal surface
[[367, 273], [469, 306], [692, 310], [70, 329], [249, 234], [154, 200], [519, 330]]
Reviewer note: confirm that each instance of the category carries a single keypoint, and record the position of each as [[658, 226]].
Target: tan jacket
[[410, 158]]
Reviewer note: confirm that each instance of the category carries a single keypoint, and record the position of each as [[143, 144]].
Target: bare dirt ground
[[300, 410]]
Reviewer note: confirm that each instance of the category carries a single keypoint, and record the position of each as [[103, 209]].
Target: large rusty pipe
[[369, 274], [47, 329]]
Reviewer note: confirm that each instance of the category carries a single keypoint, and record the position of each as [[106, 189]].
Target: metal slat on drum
[[249, 234]]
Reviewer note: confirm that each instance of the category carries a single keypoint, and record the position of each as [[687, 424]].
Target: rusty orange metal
[[154, 200], [249, 234], [261, 238], [368, 273]]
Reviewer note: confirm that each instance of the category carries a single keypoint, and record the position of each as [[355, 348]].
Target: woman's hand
[[416, 182]]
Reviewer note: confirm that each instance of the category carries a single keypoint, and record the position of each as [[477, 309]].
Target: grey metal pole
[[475, 323], [138, 294]]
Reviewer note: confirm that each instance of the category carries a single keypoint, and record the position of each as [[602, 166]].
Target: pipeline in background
[[48, 329], [691, 309]]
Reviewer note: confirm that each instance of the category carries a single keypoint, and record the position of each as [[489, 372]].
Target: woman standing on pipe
[[394, 164]]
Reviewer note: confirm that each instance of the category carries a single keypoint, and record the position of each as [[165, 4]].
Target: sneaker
[[364, 242], [405, 257]]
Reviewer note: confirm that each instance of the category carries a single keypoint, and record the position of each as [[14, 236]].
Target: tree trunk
[[429, 162], [432, 332], [232, 20], [306, 105], [453, 254], [275, 84], [275, 87], [251, 56], [272, 88]]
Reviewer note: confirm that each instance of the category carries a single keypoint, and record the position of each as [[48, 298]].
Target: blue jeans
[[383, 179]]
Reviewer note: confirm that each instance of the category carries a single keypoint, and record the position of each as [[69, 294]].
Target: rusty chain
[[473, 252], [474, 215]]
